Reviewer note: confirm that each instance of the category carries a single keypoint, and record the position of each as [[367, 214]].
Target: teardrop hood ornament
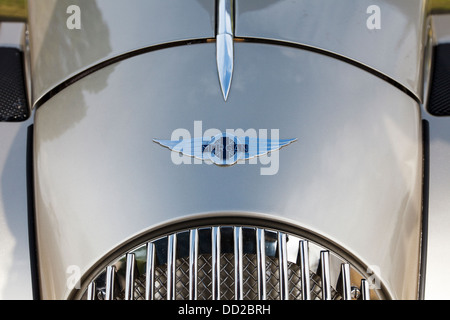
[[224, 44]]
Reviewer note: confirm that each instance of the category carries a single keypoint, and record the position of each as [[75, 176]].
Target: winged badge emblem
[[225, 149]]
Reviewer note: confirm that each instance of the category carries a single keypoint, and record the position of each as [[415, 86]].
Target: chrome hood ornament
[[224, 44], [225, 149]]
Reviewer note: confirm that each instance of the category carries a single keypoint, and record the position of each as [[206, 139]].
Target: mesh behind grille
[[13, 102], [439, 100], [229, 263]]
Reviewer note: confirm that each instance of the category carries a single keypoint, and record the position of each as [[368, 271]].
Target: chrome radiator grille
[[229, 263]]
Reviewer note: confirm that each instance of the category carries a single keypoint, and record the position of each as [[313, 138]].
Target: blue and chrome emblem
[[225, 149]]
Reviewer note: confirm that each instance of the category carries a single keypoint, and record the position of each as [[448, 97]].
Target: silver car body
[[352, 96]]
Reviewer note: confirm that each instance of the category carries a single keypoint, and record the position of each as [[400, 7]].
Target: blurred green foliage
[[13, 10], [440, 6]]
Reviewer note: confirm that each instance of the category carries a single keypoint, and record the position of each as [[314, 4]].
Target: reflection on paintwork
[[340, 27], [15, 266], [345, 173], [59, 53]]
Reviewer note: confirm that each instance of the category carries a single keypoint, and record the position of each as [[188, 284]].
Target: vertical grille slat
[[365, 291], [325, 274], [130, 277], [344, 284], [261, 260], [238, 261], [228, 263], [303, 257], [150, 272], [283, 268], [171, 266], [110, 282], [91, 291], [215, 248], [193, 265]]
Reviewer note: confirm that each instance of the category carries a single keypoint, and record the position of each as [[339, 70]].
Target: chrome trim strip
[[303, 257], [224, 44], [110, 277], [345, 282], [283, 269], [238, 264], [325, 274], [425, 207], [261, 261], [150, 272], [171, 266], [215, 250], [91, 291], [193, 266], [365, 290], [129, 276]]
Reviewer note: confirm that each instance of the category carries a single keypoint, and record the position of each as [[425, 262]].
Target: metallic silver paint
[[437, 276], [109, 28], [396, 49], [359, 162], [15, 266], [340, 27]]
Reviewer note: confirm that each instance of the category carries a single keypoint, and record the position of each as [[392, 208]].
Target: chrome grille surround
[[229, 262]]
